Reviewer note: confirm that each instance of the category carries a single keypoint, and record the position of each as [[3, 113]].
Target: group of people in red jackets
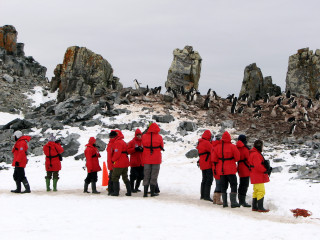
[[145, 159], [221, 160]]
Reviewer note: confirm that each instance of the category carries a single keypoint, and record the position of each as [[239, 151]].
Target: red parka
[[152, 145], [243, 164], [92, 154], [52, 149], [120, 152], [257, 174], [135, 157], [230, 154], [19, 151], [215, 165], [109, 152], [205, 150]]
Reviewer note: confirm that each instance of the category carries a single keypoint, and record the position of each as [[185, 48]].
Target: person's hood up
[[119, 136], [138, 132], [92, 141], [154, 128], [226, 137], [206, 135], [240, 144], [26, 138]]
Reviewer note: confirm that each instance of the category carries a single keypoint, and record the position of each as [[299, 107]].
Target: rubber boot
[[202, 191], [136, 189], [18, 189], [153, 188], [128, 186], [85, 188], [260, 206], [55, 180], [218, 199], [145, 190], [110, 187], [214, 198], [116, 189], [242, 201], [26, 186], [224, 199], [233, 200], [254, 204], [157, 190], [132, 185], [94, 188], [207, 190], [48, 184]]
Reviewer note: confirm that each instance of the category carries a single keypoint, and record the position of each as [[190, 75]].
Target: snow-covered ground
[[176, 214]]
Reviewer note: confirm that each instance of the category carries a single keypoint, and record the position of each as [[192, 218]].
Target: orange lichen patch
[[1, 37], [68, 56], [301, 212], [10, 42]]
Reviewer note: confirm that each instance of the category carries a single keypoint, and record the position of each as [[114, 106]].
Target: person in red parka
[[152, 143], [243, 170], [227, 154], [112, 135], [20, 161], [205, 149], [217, 191], [53, 151], [92, 163], [120, 162], [135, 150], [258, 176]]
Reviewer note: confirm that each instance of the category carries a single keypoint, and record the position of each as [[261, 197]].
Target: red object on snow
[[301, 212]]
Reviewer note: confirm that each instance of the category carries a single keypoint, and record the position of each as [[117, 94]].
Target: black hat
[[242, 138], [113, 134]]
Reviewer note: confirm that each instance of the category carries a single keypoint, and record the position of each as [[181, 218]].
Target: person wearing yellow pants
[[258, 176]]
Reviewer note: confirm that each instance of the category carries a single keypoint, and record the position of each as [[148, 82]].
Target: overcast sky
[[138, 37]]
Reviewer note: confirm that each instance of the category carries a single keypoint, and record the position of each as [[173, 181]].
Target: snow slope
[[176, 214]]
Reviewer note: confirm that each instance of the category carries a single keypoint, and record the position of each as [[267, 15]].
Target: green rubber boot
[[55, 180], [48, 184]]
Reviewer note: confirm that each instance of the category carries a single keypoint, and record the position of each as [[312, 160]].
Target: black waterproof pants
[[225, 180], [243, 186], [91, 177]]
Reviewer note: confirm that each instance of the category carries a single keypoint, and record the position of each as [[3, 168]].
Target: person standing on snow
[[112, 135], [53, 151], [135, 150], [205, 150], [20, 161], [152, 143], [243, 170], [92, 163], [217, 191], [120, 162], [227, 154], [258, 176]]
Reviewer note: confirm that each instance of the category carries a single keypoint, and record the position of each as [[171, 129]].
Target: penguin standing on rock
[[234, 104], [292, 128], [206, 103], [136, 84], [310, 104]]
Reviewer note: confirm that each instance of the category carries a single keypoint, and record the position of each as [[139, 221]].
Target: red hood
[[226, 137], [206, 135], [154, 128], [92, 141], [138, 131], [26, 138], [119, 136], [240, 144], [51, 144]]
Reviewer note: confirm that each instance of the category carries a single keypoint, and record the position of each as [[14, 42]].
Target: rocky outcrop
[[18, 73], [303, 76], [83, 73], [185, 69], [255, 85]]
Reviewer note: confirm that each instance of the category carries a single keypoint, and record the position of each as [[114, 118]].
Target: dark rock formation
[[83, 73], [255, 85], [185, 69], [303, 76], [8, 38]]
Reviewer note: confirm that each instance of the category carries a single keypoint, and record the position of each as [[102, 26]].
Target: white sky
[[138, 37]]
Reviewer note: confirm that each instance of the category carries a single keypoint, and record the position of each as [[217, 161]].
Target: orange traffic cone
[[105, 175]]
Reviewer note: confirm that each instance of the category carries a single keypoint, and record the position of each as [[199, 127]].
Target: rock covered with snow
[[303, 75], [185, 69], [83, 73]]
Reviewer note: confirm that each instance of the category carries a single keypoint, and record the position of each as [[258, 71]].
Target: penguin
[[279, 101], [230, 97], [114, 86], [209, 91], [175, 95], [306, 117], [292, 128], [146, 92], [215, 96], [257, 115], [182, 90], [288, 94], [274, 111], [290, 100], [240, 110], [136, 84], [234, 104], [168, 90], [250, 103], [318, 96], [294, 105], [108, 106], [189, 97], [206, 103], [257, 108], [291, 119], [310, 104], [158, 90], [266, 98]]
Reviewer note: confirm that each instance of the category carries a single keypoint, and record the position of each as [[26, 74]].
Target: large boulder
[[8, 38], [185, 69], [303, 76], [83, 73], [255, 85]]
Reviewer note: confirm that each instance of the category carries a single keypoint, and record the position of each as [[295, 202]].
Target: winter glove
[[60, 157], [16, 164], [198, 163]]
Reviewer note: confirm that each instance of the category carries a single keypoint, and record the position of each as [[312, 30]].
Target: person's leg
[[48, 179], [260, 197], [146, 179], [115, 180], [94, 181], [242, 191], [87, 181], [17, 181], [207, 184], [55, 180], [233, 195], [155, 169], [24, 181], [110, 183], [224, 187], [126, 181]]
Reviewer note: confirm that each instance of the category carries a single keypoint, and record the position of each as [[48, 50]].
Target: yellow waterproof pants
[[258, 191]]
